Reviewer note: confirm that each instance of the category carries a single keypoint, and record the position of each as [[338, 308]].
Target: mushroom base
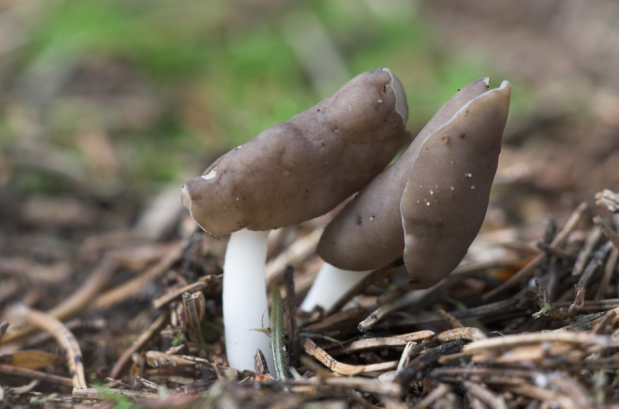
[[245, 299], [330, 285]]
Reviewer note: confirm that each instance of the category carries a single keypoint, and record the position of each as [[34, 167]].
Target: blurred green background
[[110, 100]]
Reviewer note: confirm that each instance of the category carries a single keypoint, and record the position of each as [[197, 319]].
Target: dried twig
[[586, 251], [378, 342], [606, 228], [3, 328], [423, 364], [485, 395], [13, 371], [593, 266], [440, 391], [467, 333], [63, 336], [538, 393], [610, 267], [138, 345], [193, 309], [149, 385], [97, 394], [406, 300], [557, 242], [452, 321], [337, 318], [177, 293], [130, 288], [558, 253], [489, 310], [79, 300], [346, 369], [525, 338], [260, 363], [365, 385]]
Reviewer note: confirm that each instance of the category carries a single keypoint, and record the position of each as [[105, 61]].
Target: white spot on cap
[[210, 175], [467, 175]]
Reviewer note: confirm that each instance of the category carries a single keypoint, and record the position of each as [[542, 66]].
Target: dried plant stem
[[365, 385], [557, 242], [441, 390], [593, 305], [346, 369], [452, 321], [538, 393], [138, 345], [223, 373], [586, 251], [260, 363], [379, 342], [424, 364], [147, 384], [75, 303], [484, 265], [467, 333], [525, 338], [409, 298], [596, 262], [96, 394], [3, 328], [483, 394], [63, 336], [337, 318], [558, 253], [192, 318], [610, 317], [12, 371], [606, 228], [610, 267], [130, 288], [177, 293]]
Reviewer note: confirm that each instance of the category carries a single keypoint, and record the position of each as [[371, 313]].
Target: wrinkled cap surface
[[304, 167], [429, 206]]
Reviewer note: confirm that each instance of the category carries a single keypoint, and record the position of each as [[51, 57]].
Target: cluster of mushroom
[[426, 208]]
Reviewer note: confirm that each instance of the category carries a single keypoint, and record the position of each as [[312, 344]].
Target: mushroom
[[430, 204], [292, 172]]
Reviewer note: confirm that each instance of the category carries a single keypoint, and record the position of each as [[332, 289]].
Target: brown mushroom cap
[[429, 206], [304, 167]]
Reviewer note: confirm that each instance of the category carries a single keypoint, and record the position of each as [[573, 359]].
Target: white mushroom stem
[[245, 299], [330, 284]]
